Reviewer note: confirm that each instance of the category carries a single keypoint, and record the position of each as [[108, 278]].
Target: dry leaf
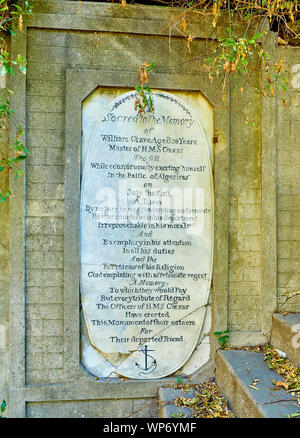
[[215, 14], [20, 25], [281, 42], [190, 38], [282, 384], [123, 378], [183, 24]]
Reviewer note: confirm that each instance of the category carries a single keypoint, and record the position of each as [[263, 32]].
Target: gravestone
[[146, 238]]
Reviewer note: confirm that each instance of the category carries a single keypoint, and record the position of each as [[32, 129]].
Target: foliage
[[2, 408], [143, 99], [285, 368], [294, 415], [280, 14], [11, 21], [17, 153], [276, 76], [11, 15], [231, 57], [289, 373], [207, 401], [222, 338]]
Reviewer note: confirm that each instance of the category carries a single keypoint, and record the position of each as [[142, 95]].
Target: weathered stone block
[[284, 249], [252, 273], [45, 243], [44, 226], [43, 277], [243, 288], [45, 311], [53, 327], [252, 243], [46, 174], [40, 208], [45, 88]]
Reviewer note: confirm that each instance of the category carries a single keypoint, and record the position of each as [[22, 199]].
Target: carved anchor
[[148, 368]]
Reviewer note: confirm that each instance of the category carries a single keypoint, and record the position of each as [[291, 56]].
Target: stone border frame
[[89, 81], [63, 15]]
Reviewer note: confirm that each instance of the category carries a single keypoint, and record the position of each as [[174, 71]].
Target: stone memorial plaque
[[146, 238]]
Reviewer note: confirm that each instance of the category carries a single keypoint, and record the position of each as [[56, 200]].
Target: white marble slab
[[146, 237]]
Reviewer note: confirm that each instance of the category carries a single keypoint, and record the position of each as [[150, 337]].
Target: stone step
[[285, 335], [236, 370]]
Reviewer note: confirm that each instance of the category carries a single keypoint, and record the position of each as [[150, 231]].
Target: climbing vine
[[2, 409], [143, 100], [236, 55], [281, 15], [11, 22]]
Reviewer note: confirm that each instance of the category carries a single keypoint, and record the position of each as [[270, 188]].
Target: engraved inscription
[[146, 237]]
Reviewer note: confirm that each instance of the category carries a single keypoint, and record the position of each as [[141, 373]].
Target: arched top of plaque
[[146, 237]]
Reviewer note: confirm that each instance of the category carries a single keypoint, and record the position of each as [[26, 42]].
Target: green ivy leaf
[[3, 406], [150, 66], [21, 158]]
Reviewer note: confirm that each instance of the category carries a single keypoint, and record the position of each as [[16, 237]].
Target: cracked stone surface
[[146, 240]]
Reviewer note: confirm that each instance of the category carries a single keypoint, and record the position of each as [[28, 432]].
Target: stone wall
[[54, 52], [288, 185], [45, 212], [4, 259], [245, 243]]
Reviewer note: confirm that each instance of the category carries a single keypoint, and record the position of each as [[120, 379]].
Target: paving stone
[[166, 408]]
